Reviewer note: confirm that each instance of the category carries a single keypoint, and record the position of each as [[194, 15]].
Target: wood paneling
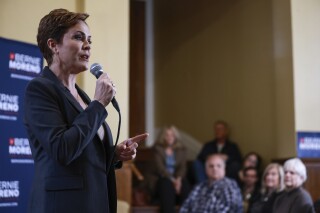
[[313, 182], [137, 68]]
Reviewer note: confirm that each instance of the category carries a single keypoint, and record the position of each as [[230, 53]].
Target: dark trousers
[[167, 196]]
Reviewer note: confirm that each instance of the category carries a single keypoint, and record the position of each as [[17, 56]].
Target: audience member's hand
[[177, 184], [127, 149]]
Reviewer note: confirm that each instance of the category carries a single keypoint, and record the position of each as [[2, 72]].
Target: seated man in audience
[[220, 144], [216, 194]]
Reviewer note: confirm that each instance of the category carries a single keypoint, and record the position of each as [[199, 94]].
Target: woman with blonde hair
[[272, 185], [170, 186]]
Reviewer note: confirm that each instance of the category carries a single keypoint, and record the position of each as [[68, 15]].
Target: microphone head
[[96, 70]]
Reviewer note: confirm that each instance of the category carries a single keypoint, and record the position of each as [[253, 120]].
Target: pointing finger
[[139, 138]]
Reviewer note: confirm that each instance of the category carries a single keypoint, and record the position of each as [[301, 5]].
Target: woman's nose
[[87, 45]]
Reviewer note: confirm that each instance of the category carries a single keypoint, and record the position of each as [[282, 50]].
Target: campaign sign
[[308, 144], [19, 63]]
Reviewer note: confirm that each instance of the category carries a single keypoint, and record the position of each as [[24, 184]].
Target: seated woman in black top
[[272, 185]]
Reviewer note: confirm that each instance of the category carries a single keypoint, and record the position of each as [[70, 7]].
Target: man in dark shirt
[[222, 145]]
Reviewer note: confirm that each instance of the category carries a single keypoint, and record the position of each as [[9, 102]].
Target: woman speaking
[[71, 143]]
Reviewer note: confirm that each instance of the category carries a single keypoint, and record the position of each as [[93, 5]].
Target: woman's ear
[[52, 44]]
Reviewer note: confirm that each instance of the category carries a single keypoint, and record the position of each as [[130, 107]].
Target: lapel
[[108, 141], [162, 152], [215, 146], [47, 73], [178, 155]]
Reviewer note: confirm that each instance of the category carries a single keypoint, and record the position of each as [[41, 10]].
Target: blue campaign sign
[[19, 63], [308, 144]]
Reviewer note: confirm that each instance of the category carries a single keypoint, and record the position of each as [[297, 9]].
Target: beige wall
[[216, 60], [108, 22], [19, 19], [109, 25], [306, 53]]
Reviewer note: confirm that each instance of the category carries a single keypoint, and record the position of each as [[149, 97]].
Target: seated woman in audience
[[272, 186], [294, 199], [169, 183], [252, 159], [250, 187]]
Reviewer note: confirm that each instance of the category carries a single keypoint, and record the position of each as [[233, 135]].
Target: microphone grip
[[113, 101]]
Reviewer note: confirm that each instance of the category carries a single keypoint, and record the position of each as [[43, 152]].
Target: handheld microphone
[[96, 70]]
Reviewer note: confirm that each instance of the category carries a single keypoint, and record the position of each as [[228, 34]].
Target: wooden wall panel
[[137, 68]]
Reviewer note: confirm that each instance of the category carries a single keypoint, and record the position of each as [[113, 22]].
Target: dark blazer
[[295, 201], [71, 162]]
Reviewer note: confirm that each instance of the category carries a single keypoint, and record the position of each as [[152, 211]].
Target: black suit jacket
[[71, 162]]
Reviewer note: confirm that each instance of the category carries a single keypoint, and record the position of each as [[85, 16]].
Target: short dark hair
[[54, 25]]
